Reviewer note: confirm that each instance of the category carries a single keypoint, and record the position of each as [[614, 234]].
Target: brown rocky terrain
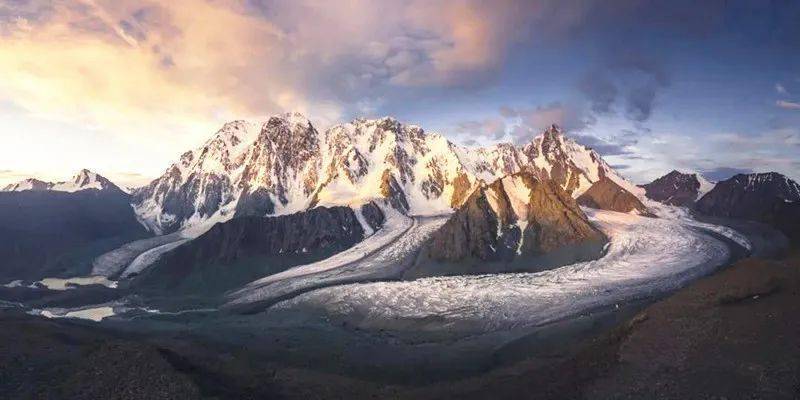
[[514, 218], [607, 195]]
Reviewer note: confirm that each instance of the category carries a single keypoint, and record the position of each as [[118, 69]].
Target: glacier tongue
[[646, 256]]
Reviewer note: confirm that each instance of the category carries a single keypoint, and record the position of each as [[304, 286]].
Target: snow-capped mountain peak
[[28, 184], [678, 188], [83, 180], [284, 165]]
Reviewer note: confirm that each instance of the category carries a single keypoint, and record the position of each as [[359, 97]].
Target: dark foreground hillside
[[729, 336], [732, 335]]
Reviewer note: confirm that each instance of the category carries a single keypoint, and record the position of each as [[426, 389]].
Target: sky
[[124, 87]]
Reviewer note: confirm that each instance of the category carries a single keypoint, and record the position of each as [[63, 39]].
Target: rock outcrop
[[512, 224], [607, 195]]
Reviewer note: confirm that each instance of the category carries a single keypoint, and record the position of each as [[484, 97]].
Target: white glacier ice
[[646, 257]]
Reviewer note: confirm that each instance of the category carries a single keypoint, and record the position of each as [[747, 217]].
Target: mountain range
[[285, 165], [325, 191]]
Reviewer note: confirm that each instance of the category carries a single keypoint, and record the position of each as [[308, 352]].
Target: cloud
[[116, 63], [523, 123], [600, 91], [721, 173], [780, 89], [718, 153], [640, 102], [788, 105], [491, 128], [634, 73], [532, 121], [617, 146]]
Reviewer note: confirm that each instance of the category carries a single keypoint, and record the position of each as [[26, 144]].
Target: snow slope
[[646, 256]]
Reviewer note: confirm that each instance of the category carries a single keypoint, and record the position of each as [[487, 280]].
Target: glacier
[[646, 257]]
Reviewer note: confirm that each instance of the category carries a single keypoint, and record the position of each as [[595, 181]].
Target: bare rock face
[[514, 217], [607, 195], [556, 220], [461, 189], [391, 190]]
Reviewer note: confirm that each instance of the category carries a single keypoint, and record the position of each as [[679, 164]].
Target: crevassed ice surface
[[646, 256]]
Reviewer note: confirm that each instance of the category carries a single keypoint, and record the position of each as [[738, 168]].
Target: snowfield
[[646, 256]]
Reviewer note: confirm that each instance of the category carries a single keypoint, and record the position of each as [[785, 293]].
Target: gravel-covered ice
[[646, 256]]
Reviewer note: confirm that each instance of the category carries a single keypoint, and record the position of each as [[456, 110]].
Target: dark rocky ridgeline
[[243, 249], [496, 230], [749, 196], [770, 197], [52, 233], [674, 188], [607, 195]]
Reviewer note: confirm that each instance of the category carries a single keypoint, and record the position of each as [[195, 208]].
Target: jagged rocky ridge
[[749, 196], [285, 165], [678, 189], [517, 222]]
